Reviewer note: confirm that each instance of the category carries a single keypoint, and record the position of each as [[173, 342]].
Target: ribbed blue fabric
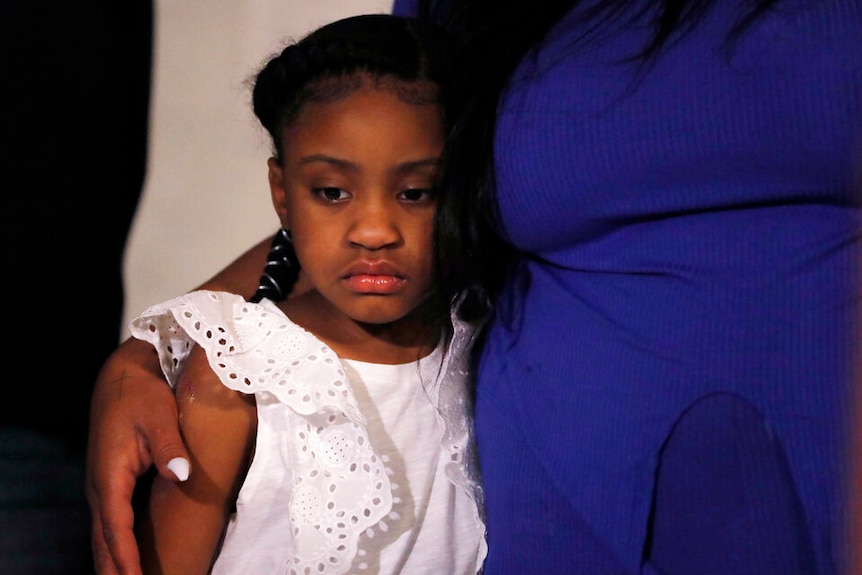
[[692, 230]]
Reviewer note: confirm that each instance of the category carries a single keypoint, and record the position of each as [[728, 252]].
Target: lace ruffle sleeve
[[252, 347], [338, 485]]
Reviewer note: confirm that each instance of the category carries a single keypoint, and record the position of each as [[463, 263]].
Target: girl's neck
[[404, 341]]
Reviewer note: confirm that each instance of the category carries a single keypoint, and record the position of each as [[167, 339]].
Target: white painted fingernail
[[179, 466]]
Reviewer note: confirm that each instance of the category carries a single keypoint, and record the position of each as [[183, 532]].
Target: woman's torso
[[690, 230]]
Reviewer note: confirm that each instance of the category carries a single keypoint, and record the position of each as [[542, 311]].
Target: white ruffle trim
[[340, 484], [341, 487]]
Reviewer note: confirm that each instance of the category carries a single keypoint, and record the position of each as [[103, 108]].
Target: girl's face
[[355, 188]]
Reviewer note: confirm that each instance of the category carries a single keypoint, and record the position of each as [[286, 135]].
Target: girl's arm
[[133, 425], [183, 523]]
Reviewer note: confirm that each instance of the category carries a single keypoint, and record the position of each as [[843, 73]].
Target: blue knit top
[[690, 228]]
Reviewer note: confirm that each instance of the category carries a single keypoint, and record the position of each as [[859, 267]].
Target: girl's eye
[[417, 195], [331, 194]]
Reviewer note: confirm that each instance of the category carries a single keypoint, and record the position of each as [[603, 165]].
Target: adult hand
[[133, 425]]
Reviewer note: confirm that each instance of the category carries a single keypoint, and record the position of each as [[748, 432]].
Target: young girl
[[329, 432]]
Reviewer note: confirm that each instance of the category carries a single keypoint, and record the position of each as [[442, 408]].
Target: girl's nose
[[374, 227]]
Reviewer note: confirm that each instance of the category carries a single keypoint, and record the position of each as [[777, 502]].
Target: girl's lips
[[374, 277], [374, 284]]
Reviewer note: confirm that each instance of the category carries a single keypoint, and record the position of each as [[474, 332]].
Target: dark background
[[76, 87]]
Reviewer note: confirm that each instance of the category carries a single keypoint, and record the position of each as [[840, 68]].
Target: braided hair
[[330, 63], [333, 61]]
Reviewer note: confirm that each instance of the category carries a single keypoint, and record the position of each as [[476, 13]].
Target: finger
[[117, 524], [166, 445], [109, 493], [109, 487], [101, 556]]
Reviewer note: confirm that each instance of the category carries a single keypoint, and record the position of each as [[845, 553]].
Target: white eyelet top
[[345, 476]]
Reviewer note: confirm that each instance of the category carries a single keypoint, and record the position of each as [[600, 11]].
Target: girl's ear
[[276, 188]]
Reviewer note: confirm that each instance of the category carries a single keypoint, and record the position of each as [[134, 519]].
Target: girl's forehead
[[368, 122], [371, 103], [332, 88]]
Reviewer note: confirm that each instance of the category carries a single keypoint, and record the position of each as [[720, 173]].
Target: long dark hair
[[493, 37]]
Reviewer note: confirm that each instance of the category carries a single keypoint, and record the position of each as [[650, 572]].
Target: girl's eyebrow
[[429, 162], [406, 167], [314, 158]]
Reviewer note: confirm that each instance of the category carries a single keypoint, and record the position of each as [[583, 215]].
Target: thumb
[[169, 453]]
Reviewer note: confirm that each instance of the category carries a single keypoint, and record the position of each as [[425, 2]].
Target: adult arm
[[133, 425]]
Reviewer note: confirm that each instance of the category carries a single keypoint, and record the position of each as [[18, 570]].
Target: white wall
[[206, 198]]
